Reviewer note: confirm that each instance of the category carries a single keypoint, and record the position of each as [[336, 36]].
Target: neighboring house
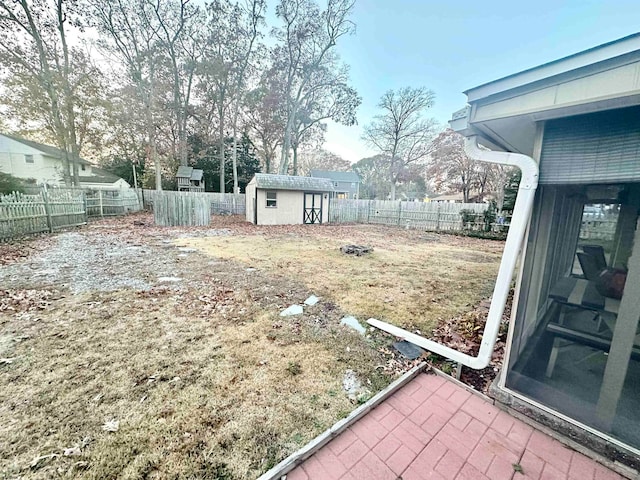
[[573, 354], [190, 179], [99, 179], [286, 200], [345, 184], [448, 198], [43, 164], [459, 198]]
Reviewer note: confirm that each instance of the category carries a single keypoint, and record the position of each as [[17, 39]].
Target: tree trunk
[[234, 161], [267, 163], [286, 144], [393, 189], [221, 153], [295, 159]]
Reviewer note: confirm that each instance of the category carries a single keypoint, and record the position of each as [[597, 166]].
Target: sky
[[452, 46]]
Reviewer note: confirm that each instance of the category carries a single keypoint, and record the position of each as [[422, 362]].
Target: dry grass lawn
[[203, 377], [411, 279]]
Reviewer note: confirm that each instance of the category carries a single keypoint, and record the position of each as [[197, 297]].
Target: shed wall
[[289, 209], [250, 195]]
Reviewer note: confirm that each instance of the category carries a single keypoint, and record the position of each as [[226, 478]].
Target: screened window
[[272, 199], [28, 159]]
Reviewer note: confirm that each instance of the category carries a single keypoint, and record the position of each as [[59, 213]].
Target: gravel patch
[[98, 262]]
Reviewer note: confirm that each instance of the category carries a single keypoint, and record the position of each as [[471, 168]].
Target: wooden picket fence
[[220, 203], [47, 210], [433, 216], [171, 209]]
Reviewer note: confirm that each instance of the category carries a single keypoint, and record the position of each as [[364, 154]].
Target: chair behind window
[[590, 266], [596, 251]]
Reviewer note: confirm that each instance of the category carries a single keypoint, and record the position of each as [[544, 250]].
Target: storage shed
[[287, 200]]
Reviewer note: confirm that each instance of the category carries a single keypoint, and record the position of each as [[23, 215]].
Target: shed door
[[312, 208]]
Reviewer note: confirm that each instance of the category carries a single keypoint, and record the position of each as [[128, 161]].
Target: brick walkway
[[434, 429]]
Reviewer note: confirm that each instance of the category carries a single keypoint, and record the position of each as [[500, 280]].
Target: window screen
[[601, 147]]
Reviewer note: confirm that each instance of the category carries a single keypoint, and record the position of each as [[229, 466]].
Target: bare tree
[[129, 34], [321, 159], [451, 169], [306, 41], [178, 27], [231, 46], [265, 119], [400, 133], [34, 45], [330, 98]]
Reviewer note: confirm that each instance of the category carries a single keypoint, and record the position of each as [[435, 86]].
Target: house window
[[82, 167], [28, 159], [271, 199]]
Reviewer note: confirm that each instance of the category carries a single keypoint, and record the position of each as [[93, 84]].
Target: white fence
[[221, 203], [424, 215], [47, 210]]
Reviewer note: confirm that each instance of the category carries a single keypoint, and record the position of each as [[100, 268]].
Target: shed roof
[[290, 182], [46, 149], [336, 176]]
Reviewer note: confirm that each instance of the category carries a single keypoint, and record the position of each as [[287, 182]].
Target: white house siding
[[12, 161]]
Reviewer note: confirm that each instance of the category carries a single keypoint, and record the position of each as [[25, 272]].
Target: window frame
[[274, 199], [29, 159]]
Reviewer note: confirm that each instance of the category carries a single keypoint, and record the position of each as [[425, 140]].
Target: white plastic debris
[[111, 426], [312, 300], [352, 322], [169, 279], [292, 310]]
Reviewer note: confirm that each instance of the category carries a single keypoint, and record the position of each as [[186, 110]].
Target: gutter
[[515, 238]]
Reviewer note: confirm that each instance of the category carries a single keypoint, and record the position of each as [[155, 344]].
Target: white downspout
[[521, 213]]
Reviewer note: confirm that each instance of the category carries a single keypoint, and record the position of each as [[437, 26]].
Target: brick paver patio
[[434, 429]]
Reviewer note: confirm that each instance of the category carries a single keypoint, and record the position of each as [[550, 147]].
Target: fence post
[[399, 211], [369, 210], [47, 208], [438, 218], [100, 201]]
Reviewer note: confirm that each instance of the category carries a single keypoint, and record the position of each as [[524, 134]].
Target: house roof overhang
[[505, 113]]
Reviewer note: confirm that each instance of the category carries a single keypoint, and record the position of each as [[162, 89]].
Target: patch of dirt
[[464, 333]]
